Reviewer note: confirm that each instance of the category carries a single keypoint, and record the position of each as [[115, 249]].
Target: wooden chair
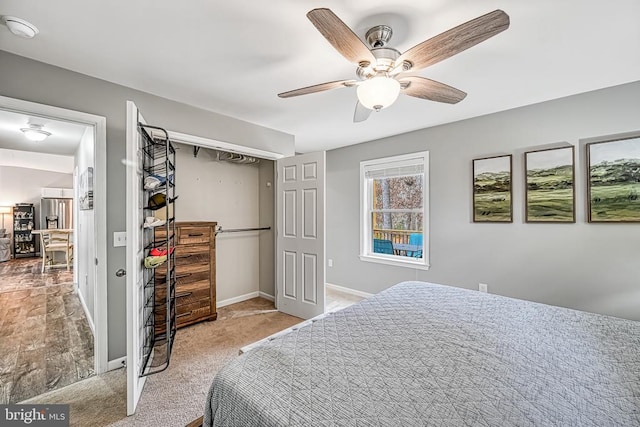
[[55, 241]]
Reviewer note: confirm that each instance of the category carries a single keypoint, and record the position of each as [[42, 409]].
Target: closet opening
[[234, 190]]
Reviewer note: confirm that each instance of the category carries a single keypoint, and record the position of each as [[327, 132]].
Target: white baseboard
[[117, 363], [267, 296], [86, 312], [348, 290], [239, 298]]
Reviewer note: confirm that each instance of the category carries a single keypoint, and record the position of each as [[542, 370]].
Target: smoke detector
[[19, 27]]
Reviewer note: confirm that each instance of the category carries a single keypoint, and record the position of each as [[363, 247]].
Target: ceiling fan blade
[[340, 36], [361, 113], [421, 87], [455, 40], [317, 88]]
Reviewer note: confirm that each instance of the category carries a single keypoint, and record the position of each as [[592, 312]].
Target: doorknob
[[122, 272]]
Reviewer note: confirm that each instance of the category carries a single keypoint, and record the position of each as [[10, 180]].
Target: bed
[[422, 354]]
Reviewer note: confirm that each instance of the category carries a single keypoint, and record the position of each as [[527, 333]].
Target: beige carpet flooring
[[176, 396]]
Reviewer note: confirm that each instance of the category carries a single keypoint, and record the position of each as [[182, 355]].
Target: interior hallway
[[45, 339]]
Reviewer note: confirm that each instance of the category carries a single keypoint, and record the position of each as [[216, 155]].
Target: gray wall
[[34, 81], [24, 185], [592, 267]]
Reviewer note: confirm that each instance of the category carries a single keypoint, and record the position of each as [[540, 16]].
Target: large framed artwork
[[613, 182], [492, 188], [550, 185]]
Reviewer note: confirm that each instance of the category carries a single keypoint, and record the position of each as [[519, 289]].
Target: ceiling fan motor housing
[[379, 36], [385, 62]]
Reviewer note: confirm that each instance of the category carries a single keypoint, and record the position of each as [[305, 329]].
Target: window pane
[[398, 193], [400, 222], [403, 236]]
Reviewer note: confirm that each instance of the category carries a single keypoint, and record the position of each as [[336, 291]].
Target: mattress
[[422, 354]]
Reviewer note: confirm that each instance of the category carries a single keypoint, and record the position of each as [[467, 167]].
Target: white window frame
[[366, 206]]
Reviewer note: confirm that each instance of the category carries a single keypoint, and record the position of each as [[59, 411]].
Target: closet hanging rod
[[236, 230]]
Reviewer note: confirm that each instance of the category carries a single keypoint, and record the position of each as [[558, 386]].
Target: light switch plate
[[119, 238]]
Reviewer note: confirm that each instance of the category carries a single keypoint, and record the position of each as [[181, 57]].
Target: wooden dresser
[[195, 264]]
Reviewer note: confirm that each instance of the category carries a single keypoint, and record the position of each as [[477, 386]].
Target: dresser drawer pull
[[196, 234], [183, 294], [182, 276], [184, 314], [184, 256]]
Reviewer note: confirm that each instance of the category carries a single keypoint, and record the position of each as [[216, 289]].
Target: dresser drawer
[[188, 235], [160, 233], [193, 254], [191, 292], [186, 293], [189, 313], [186, 312], [185, 273]]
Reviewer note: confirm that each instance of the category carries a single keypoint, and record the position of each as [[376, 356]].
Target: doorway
[[58, 293]]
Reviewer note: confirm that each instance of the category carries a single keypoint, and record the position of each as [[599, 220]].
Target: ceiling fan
[[382, 70]]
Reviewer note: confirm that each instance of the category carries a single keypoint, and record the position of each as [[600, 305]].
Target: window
[[394, 204]]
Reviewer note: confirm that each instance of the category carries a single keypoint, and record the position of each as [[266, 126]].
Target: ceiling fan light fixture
[[378, 92], [35, 133]]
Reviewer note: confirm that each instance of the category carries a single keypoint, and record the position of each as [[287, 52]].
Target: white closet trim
[[199, 141]]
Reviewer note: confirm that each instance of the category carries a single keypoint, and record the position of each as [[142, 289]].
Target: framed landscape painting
[[492, 186], [613, 183], [550, 185]]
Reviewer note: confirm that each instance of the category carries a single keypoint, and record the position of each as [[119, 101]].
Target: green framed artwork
[[492, 189], [550, 185], [613, 182]]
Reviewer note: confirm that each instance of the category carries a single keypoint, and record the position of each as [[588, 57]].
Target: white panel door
[[135, 257], [300, 242]]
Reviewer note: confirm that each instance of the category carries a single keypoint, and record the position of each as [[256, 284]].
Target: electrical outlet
[[483, 287], [330, 262]]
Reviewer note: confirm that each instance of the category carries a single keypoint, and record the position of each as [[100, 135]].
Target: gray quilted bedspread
[[420, 354]]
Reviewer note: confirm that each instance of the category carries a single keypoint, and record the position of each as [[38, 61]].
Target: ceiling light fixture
[[35, 133], [378, 92], [19, 27]]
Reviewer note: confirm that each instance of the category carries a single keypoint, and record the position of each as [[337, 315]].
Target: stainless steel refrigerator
[[56, 213]]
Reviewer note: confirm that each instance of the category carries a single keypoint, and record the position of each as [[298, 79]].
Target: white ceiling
[[64, 140], [234, 57]]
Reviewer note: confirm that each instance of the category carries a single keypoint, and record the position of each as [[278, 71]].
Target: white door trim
[[135, 383], [99, 124]]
